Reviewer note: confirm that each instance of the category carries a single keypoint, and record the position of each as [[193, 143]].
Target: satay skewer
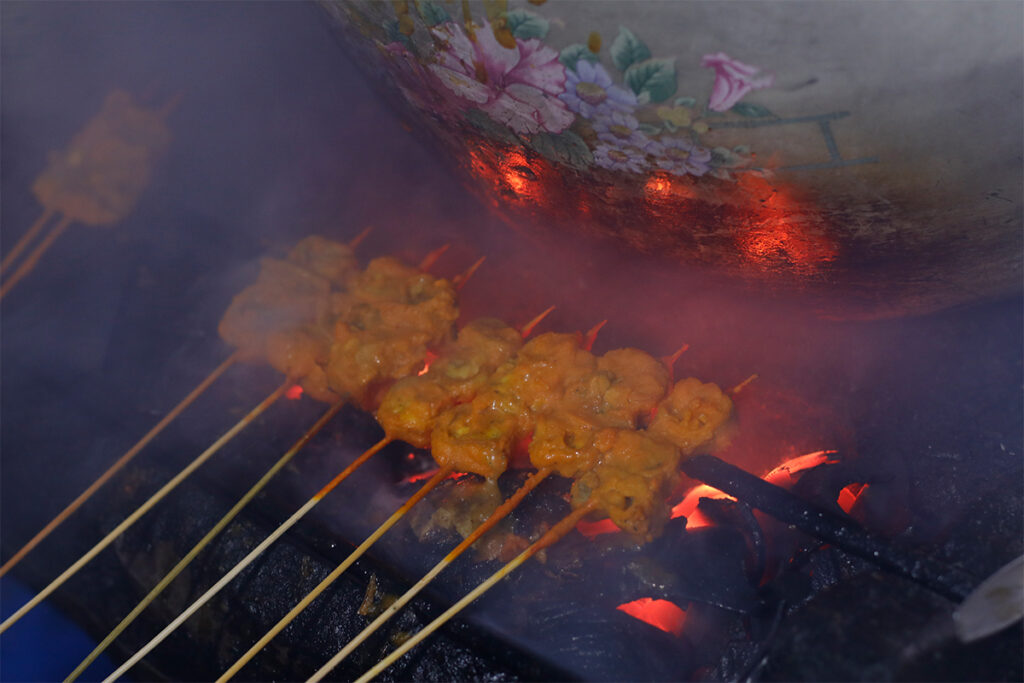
[[210, 535], [250, 558], [277, 533], [146, 506], [33, 257], [328, 580], [120, 463], [567, 524], [12, 254], [499, 513]]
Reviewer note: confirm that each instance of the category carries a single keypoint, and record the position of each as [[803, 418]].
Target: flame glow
[[427, 360], [667, 616], [294, 392], [785, 475], [849, 494]]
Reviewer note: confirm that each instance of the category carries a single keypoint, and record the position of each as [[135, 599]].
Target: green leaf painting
[[754, 111], [565, 147], [654, 77], [525, 25], [571, 55], [627, 49]]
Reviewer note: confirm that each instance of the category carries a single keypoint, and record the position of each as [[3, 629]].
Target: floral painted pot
[[868, 149]]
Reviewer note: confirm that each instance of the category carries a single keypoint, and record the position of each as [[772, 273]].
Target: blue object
[[44, 645]]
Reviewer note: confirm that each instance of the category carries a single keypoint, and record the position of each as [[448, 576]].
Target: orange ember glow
[[294, 392], [591, 529], [687, 507], [667, 616], [849, 494], [430, 358], [785, 475], [414, 478]]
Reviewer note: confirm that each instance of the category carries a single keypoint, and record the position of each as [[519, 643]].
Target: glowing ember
[[413, 478], [294, 393], [687, 507], [785, 475], [591, 529], [430, 358], [667, 616], [849, 494]]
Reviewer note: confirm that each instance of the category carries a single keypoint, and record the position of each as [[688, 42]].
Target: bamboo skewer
[[438, 477], [33, 258], [554, 534], [210, 535], [499, 513], [120, 463], [26, 239], [248, 559], [526, 329], [145, 507]]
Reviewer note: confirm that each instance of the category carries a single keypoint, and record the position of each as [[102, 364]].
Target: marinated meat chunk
[[301, 354], [564, 442], [479, 436], [335, 261], [692, 415], [284, 297], [634, 476], [410, 407], [543, 369], [389, 318]]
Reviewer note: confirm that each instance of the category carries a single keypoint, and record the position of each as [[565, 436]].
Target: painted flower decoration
[[733, 80], [517, 87], [589, 90], [620, 157], [417, 84], [680, 156], [618, 128]]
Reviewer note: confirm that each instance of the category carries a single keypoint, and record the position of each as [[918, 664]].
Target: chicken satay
[[288, 295], [481, 436], [386, 322], [692, 416], [636, 470], [98, 179], [622, 392], [411, 406]]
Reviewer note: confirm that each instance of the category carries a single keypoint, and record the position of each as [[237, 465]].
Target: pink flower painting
[[733, 80], [517, 87]]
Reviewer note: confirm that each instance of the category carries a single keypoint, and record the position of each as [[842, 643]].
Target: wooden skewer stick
[[33, 258], [670, 360], [357, 240], [120, 463], [210, 535], [145, 507], [26, 239], [438, 477], [459, 281], [526, 329], [430, 259], [554, 534], [739, 387], [248, 559], [591, 336], [499, 513]]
